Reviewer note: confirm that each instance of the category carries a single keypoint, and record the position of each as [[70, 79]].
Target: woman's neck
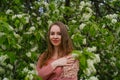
[[56, 51]]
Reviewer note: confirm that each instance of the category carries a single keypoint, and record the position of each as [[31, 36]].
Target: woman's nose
[[55, 36]]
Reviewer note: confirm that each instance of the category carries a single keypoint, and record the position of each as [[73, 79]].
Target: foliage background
[[92, 24]]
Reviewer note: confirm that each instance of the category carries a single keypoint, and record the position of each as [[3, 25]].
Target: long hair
[[65, 47]]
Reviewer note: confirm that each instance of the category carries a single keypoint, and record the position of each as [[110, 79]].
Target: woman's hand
[[64, 61]]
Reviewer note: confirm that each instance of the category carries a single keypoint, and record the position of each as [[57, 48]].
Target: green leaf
[[12, 56]]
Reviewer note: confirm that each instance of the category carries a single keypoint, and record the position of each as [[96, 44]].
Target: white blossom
[[113, 58], [29, 76], [34, 14], [10, 27], [75, 55], [10, 66], [49, 22], [8, 11], [28, 54], [82, 3], [34, 48], [28, 33], [19, 15], [93, 78], [38, 18], [14, 16], [103, 26], [111, 16], [92, 49], [74, 21], [2, 70], [3, 47], [89, 9], [82, 26], [86, 16], [2, 34], [27, 19], [32, 65], [32, 29], [25, 70], [3, 58], [91, 66], [97, 58], [112, 63], [84, 41], [5, 78], [18, 46], [87, 72], [114, 21], [16, 35]]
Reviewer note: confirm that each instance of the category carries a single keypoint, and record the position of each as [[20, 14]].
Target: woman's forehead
[[55, 28]]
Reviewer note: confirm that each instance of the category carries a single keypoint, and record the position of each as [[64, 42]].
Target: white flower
[[16, 35], [25, 70], [97, 58], [8, 11], [111, 16], [27, 19], [88, 4], [49, 22], [2, 70], [18, 46], [38, 18], [34, 48], [87, 72], [3, 58], [46, 4], [32, 72], [82, 3], [74, 55], [19, 15], [3, 47], [84, 41], [34, 14], [112, 63], [14, 16], [89, 9], [92, 49], [5, 79], [32, 29], [103, 26], [74, 21], [32, 65], [2, 34], [113, 58], [28, 33], [91, 66], [80, 7], [28, 54], [10, 66], [29, 76], [86, 16], [114, 21], [93, 78], [82, 26], [10, 27]]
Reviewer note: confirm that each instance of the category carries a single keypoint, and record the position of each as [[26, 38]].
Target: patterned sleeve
[[71, 71]]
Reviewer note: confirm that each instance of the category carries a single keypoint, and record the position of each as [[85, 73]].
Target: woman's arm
[[45, 71], [71, 72]]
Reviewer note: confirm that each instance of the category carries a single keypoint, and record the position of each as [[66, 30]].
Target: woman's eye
[[52, 33], [59, 33]]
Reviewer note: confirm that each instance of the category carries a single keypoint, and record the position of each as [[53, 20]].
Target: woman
[[57, 63]]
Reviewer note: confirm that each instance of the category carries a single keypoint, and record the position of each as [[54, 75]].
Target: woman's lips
[[55, 41]]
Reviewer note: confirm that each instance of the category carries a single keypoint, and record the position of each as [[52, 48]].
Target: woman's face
[[55, 35]]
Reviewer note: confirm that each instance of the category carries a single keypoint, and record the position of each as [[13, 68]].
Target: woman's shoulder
[[41, 55]]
